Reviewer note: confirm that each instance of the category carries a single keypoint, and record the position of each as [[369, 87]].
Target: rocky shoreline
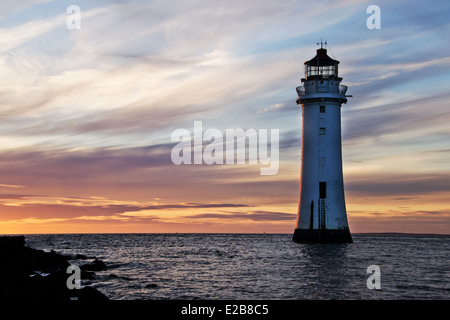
[[27, 273]]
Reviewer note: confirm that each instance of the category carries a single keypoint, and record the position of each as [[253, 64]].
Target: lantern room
[[321, 67]]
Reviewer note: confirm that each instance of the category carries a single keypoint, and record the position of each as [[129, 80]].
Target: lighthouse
[[322, 215]]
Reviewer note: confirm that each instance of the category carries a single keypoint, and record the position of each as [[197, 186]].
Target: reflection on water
[[326, 268], [263, 266]]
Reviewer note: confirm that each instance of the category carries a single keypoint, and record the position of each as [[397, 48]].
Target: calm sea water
[[259, 266]]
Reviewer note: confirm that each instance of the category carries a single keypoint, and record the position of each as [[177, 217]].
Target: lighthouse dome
[[321, 67]]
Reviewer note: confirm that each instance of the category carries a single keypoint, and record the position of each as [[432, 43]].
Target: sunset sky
[[87, 114]]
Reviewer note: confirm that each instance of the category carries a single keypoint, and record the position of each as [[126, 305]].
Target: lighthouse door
[[322, 196], [322, 190]]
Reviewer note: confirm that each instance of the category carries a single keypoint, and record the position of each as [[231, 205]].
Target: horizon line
[[217, 233]]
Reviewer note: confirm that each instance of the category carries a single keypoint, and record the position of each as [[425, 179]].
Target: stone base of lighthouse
[[322, 236]]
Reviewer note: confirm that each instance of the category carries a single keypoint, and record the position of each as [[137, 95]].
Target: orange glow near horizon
[[100, 215]]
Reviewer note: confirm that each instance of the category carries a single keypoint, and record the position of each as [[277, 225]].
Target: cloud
[[159, 66], [47, 211], [274, 107], [395, 118], [390, 184], [11, 186], [140, 172], [258, 215], [9, 8], [392, 213], [14, 207]]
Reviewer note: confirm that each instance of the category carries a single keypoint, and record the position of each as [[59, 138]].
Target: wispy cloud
[[259, 215], [11, 186]]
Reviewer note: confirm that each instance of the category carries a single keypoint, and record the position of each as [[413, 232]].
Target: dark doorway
[[322, 190]]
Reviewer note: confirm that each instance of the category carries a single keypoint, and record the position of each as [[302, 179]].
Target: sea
[[260, 266]]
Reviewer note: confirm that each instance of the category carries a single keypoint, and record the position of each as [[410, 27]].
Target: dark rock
[[90, 294], [80, 257], [12, 242], [96, 265], [28, 274], [152, 286], [87, 275]]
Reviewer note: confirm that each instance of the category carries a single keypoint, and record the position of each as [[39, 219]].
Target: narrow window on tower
[[322, 131], [322, 190], [322, 109]]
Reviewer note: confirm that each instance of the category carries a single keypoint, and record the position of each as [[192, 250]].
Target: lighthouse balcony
[[313, 90], [321, 86]]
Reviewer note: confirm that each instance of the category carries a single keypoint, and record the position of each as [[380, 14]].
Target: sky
[[87, 114]]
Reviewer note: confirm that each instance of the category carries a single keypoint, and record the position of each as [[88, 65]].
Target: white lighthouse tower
[[322, 216]]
